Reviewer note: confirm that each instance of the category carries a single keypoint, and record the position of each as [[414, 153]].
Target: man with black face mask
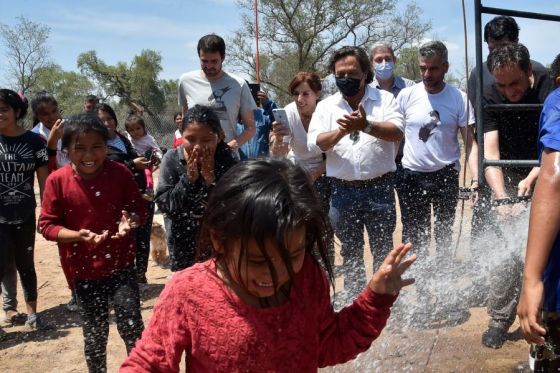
[[357, 129]]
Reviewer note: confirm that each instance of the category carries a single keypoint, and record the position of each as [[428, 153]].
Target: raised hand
[[207, 166], [127, 222], [191, 167], [141, 163], [55, 134], [93, 238], [387, 279]]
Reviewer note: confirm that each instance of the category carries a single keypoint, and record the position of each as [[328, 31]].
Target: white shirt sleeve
[[317, 126]]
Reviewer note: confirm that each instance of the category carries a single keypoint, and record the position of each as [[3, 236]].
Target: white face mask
[[384, 70]]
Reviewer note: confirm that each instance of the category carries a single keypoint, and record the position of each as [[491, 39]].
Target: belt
[[365, 183]]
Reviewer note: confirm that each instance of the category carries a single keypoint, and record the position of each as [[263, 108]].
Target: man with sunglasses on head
[[357, 128]]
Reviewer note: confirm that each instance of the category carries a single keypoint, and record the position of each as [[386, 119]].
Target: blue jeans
[[354, 207]]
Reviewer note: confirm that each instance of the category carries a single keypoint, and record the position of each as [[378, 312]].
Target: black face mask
[[348, 86]]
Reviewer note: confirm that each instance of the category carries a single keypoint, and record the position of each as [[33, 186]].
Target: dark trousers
[[93, 297], [323, 187], [17, 243], [142, 236], [419, 192]]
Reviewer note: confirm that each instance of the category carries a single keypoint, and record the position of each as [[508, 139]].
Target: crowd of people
[[253, 196]]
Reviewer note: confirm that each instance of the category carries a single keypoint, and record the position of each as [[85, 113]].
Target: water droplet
[[97, 194]]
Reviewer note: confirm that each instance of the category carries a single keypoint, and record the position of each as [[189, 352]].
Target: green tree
[[69, 87], [26, 51], [302, 34], [407, 64], [136, 82]]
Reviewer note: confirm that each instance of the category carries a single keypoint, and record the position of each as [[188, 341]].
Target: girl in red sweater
[[89, 207], [262, 303]]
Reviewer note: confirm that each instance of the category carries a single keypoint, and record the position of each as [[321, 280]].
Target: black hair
[[80, 124], [15, 101], [509, 55], [109, 110], [501, 27], [555, 68], [92, 98], [41, 98], [202, 114], [134, 118], [265, 199], [177, 114], [212, 43], [359, 53]]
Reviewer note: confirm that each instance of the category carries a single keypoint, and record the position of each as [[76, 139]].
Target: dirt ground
[[446, 349]]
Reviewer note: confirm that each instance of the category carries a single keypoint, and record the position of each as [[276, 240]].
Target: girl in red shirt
[[262, 302], [89, 208]]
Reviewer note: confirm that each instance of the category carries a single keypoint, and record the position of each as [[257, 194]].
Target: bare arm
[[327, 140], [249, 130], [42, 173], [494, 175], [471, 148], [544, 225], [525, 186]]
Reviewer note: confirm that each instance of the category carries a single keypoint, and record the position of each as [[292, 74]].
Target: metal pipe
[[511, 163], [511, 107], [518, 13], [478, 103]]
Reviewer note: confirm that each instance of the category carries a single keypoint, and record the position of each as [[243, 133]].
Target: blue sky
[[119, 29]]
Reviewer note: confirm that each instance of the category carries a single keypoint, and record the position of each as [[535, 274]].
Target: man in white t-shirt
[[357, 129], [227, 94], [433, 112]]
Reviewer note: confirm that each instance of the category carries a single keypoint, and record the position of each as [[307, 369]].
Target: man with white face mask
[[383, 60]]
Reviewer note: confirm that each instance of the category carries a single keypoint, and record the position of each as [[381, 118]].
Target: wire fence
[[160, 125]]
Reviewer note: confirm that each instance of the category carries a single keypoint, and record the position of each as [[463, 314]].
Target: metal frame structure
[[483, 162]]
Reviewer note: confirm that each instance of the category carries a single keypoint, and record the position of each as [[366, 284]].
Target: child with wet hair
[[539, 305], [262, 303], [187, 175], [89, 208]]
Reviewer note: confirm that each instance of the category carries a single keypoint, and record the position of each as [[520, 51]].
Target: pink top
[[199, 314]]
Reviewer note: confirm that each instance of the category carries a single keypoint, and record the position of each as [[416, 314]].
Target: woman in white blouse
[[290, 139]]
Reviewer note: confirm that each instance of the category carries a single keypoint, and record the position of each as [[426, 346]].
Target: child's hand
[[55, 134], [528, 310], [207, 166], [192, 164], [141, 163], [387, 280], [92, 238], [128, 221]]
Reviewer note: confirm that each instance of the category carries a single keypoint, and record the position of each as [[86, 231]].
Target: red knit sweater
[[199, 314], [74, 203]]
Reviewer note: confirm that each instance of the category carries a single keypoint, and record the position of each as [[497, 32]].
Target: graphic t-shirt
[[20, 156], [431, 125], [229, 96]]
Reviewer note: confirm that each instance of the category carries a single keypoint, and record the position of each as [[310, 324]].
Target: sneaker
[[72, 305], [34, 322], [494, 337], [16, 318]]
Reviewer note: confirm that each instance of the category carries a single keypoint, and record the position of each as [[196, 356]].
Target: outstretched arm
[[544, 225]]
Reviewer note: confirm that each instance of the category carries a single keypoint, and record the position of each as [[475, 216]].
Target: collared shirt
[[369, 157], [398, 84]]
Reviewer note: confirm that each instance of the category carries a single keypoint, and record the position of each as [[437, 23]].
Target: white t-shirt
[[229, 96], [431, 125], [299, 153], [369, 157], [61, 155]]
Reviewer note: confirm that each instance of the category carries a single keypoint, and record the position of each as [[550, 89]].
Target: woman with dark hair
[[22, 155], [121, 150], [187, 174]]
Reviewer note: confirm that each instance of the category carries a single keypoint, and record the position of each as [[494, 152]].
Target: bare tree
[[26, 51], [302, 34]]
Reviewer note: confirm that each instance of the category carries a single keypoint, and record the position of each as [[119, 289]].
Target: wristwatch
[[369, 126]]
